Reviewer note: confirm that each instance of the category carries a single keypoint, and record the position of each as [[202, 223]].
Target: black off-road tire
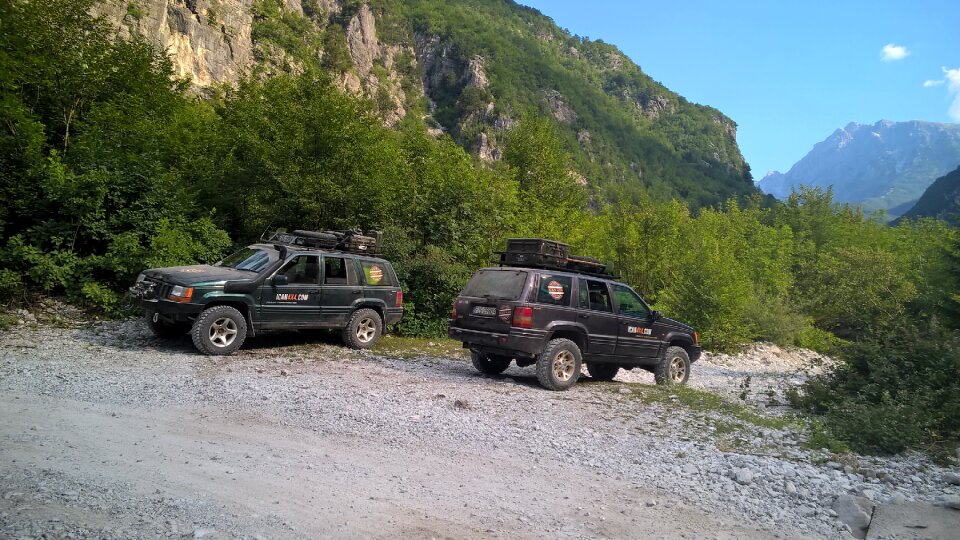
[[558, 366], [165, 330], [604, 371], [363, 329], [673, 367], [490, 364], [219, 330]]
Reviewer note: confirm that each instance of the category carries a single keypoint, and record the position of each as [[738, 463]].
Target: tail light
[[696, 338], [399, 302], [523, 317], [453, 314]]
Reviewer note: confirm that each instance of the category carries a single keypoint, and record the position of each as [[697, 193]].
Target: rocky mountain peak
[[886, 165]]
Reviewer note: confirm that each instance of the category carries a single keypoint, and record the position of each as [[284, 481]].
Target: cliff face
[[208, 40], [886, 165], [467, 68]]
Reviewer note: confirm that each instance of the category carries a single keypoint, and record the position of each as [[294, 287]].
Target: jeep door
[[340, 289], [296, 303], [636, 337], [596, 314]]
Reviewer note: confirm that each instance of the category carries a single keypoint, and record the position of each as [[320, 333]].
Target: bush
[[893, 391]]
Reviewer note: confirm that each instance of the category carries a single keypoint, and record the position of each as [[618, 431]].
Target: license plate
[[484, 311]]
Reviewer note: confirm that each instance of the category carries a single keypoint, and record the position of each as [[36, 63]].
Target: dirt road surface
[[108, 432]]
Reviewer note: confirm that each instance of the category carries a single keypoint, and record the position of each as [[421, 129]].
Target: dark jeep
[[544, 307], [304, 280]]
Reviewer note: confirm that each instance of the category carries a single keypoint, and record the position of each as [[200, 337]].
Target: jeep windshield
[[250, 259], [494, 283]]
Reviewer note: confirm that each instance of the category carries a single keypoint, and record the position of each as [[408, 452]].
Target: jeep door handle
[[314, 291], [354, 292], [583, 316]]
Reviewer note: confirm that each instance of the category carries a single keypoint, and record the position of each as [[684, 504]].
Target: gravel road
[[108, 432]]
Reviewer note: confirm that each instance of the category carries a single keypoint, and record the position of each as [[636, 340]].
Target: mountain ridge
[[882, 166]]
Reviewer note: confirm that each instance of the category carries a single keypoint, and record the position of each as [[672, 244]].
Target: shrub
[[893, 391]]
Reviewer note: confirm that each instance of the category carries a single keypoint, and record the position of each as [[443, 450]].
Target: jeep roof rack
[[347, 241], [549, 255]]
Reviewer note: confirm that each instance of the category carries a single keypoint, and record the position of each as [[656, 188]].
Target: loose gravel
[[109, 432]]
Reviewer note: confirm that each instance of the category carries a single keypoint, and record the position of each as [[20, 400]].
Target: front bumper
[[163, 308], [518, 342]]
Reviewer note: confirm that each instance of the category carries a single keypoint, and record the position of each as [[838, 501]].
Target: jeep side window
[[302, 269], [629, 302], [375, 274], [334, 271], [554, 290], [594, 295]]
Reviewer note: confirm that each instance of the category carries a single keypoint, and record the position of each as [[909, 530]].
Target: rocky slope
[[941, 200], [886, 165], [470, 68]]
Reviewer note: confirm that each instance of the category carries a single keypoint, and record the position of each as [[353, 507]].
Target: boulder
[[856, 512]]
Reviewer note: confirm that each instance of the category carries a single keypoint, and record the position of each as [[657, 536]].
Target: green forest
[[109, 165]]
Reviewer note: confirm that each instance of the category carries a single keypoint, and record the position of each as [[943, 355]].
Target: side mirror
[[655, 315], [280, 280]]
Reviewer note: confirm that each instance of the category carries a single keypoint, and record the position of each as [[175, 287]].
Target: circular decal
[[555, 290], [375, 274]]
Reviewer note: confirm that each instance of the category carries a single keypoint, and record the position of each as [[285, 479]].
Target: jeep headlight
[[139, 278], [180, 294]]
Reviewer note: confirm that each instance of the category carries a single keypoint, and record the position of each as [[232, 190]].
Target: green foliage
[[92, 151], [894, 390]]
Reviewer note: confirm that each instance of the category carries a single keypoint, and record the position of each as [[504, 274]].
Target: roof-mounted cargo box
[[350, 241], [549, 255]]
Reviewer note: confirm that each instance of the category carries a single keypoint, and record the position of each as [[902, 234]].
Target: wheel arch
[[568, 331], [238, 304], [684, 341], [379, 306]]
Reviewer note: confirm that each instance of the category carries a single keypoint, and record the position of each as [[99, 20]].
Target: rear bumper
[[392, 315], [694, 353], [518, 342]]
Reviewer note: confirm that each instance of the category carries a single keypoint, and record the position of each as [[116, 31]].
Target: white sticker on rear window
[[555, 290]]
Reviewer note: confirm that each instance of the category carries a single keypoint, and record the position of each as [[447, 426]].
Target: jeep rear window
[[499, 284], [250, 259]]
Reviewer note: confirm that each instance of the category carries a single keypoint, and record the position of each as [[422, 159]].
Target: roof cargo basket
[[350, 241], [549, 255]]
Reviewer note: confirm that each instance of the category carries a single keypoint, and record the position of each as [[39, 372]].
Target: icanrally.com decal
[[555, 290], [639, 330], [292, 297]]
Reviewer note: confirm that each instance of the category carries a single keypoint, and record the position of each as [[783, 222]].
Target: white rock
[[897, 498], [790, 488], [744, 476], [950, 501], [952, 478], [855, 512]]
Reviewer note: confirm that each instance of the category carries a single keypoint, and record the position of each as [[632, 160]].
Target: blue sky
[[788, 72]]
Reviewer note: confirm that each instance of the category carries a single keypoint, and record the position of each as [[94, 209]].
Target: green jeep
[[303, 280]]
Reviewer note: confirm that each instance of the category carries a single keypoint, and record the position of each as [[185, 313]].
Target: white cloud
[[953, 77], [953, 80], [891, 52], [933, 82]]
